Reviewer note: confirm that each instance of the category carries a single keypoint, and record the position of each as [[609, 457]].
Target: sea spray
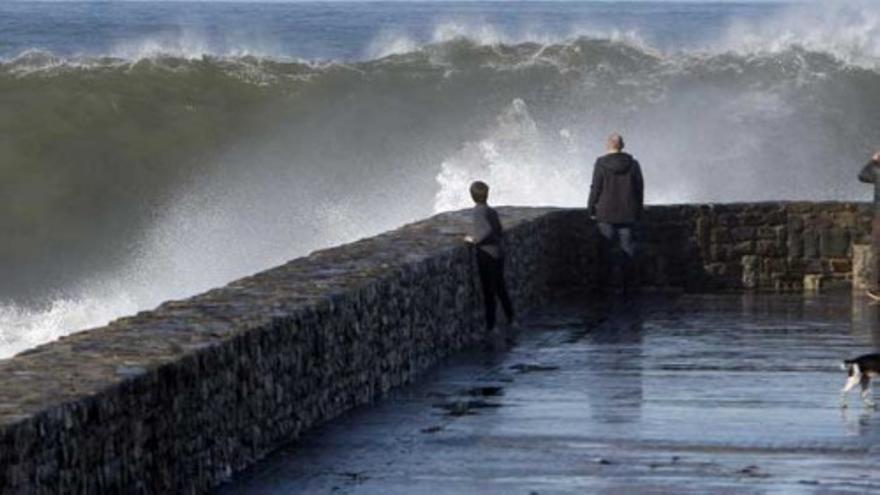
[[522, 165]]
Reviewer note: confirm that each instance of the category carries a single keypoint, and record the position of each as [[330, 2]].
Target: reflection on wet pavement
[[690, 394]]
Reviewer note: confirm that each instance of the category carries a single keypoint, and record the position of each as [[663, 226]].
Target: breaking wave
[[161, 169]]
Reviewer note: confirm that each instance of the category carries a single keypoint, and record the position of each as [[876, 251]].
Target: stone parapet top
[[84, 363]]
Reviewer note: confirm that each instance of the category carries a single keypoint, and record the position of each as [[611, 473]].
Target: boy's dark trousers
[[492, 281]]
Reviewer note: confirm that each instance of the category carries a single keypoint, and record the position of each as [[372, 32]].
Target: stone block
[[810, 243], [813, 282], [744, 248], [813, 266], [795, 266], [840, 265], [834, 242], [717, 269], [720, 252], [728, 220], [846, 219], [863, 266], [765, 232], [795, 244], [721, 235], [768, 249], [800, 207], [740, 234], [751, 266], [775, 217], [776, 265], [703, 233], [780, 234]]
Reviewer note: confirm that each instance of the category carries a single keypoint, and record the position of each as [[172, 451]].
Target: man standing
[[616, 202], [869, 175]]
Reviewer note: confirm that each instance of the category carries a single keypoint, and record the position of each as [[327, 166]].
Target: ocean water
[[152, 150]]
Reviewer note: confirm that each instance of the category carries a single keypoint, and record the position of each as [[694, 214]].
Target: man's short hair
[[616, 141], [479, 191]]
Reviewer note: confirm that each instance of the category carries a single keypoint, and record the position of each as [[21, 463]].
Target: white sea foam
[[185, 45], [26, 328], [397, 42], [391, 43], [846, 29], [522, 166], [193, 43]]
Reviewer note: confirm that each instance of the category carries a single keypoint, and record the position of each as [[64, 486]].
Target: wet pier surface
[[690, 394]]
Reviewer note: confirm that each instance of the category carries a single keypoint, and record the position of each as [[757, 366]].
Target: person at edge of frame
[[869, 175]]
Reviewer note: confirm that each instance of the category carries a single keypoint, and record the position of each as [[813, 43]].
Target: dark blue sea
[[152, 150], [345, 31]]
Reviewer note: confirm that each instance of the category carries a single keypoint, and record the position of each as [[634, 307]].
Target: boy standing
[[487, 236]]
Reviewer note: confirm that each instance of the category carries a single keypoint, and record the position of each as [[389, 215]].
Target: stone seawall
[[175, 400], [782, 246], [767, 246]]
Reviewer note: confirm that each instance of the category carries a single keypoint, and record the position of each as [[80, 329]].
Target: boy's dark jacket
[[617, 192], [486, 230]]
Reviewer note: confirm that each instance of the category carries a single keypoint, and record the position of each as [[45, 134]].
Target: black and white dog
[[860, 371]]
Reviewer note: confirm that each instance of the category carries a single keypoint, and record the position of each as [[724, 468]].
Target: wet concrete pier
[[689, 394]]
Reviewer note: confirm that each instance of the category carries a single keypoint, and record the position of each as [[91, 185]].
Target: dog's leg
[[850, 383], [865, 382]]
